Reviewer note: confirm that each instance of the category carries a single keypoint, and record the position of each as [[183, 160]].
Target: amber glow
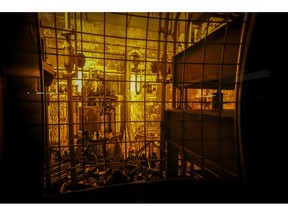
[[121, 96]]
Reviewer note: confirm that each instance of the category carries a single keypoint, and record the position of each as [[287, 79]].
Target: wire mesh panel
[[139, 97]]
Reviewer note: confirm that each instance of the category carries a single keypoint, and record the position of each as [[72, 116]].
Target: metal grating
[[139, 97]]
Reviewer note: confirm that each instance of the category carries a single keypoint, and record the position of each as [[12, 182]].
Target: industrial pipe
[[69, 67]]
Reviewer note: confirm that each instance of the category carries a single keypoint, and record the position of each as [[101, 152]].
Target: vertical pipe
[[145, 80], [81, 102], [75, 105], [58, 96], [162, 134], [67, 20], [128, 94], [104, 98], [124, 103], [70, 113], [175, 33], [124, 106]]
